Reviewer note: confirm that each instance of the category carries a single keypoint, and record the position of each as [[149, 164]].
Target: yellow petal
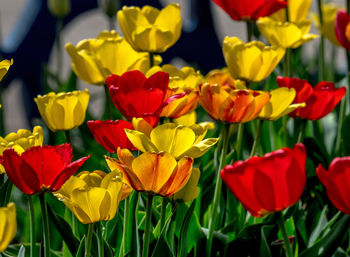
[[190, 191], [200, 148], [187, 119], [141, 125], [8, 225], [141, 141], [4, 67]]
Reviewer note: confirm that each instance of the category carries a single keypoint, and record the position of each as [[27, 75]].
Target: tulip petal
[[141, 141]]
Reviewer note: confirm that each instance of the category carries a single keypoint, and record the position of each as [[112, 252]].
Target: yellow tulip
[[63, 111], [93, 60], [155, 173], [175, 139], [4, 67], [280, 104], [285, 34], [253, 61], [188, 119], [94, 196], [191, 190], [329, 12], [149, 29], [8, 225], [223, 78], [297, 11]]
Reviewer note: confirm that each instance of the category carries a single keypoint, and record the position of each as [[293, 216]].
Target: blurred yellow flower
[[297, 11], [156, 173], [93, 60], [4, 67], [285, 34], [94, 196], [280, 104], [253, 61], [175, 139], [8, 225], [149, 29], [63, 111], [191, 190], [329, 12]]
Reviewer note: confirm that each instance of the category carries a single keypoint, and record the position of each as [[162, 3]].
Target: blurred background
[[28, 32]]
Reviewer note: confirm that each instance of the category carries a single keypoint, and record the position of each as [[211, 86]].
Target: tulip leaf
[[330, 242], [321, 224], [22, 251], [264, 246], [5, 191], [162, 248], [81, 248]]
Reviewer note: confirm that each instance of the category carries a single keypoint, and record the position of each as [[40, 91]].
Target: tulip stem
[[46, 230], [301, 131], [218, 185], [59, 26], [32, 225], [288, 248], [322, 67], [151, 60], [249, 30], [68, 137], [257, 136], [163, 212], [89, 240], [125, 225], [239, 141], [148, 226], [108, 103], [287, 63], [100, 239]]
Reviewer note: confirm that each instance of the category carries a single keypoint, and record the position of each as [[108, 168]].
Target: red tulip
[[134, 95], [110, 134], [342, 29], [320, 100], [40, 168], [337, 182], [270, 183], [250, 9]]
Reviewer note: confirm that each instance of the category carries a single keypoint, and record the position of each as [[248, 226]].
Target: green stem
[[288, 248], [46, 229], [100, 239], [32, 226], [249, 30], [68, 137], [285, 130], [2, 123], [163, 212], [256, 140], [148, 226], [322, 67], [109, 103], [151, 60], [111, 22], [218, 185], [301, 131], [125, 225], [287, 63], [59, 26], [239, 141], [88, 241]]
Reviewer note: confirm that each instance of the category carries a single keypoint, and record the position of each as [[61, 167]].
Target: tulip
[[280, 104], [176, 140], [329, 12], [4, 67], [224, 79], [191, 190], [149, 29], [253, 61], [154, 173], [285, 34], [297, 11], [342, 29], [93, 60], [231, 105], [250, 9], [94, 196], [63, 111], [40, 168], [149, 92], [270, 183], [110, 134], [188, 119], [320, 100], [8, 225], [336, 181]]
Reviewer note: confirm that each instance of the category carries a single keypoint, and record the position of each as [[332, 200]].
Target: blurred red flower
[[270, 183], [342, 29]]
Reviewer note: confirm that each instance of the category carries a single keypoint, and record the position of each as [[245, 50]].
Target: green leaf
[[5, 191], [22, 251], [321, 224], [264, 246], [162, 248], [81, 248], [183, 239]]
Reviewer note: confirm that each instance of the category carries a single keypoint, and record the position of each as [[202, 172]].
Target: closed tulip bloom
[[285, 34], [224, 79], [270, 183], [63, 111], [40, 168], [280, 104], [175, 139], [329, 12], [134, 95], [231, 105], [4, 67], [342, 29], [154, 173], [253, 61], [94, 196], [149, 29], [298, 11], [8, 225], [191, 190], [93, 60], [336, 181], [320, 100], [110, 134], [250, 9]]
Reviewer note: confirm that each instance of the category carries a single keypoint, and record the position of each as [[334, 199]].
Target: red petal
[[341, 22], [112, 80], [158, 80], [132, 80], [268, 8]]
